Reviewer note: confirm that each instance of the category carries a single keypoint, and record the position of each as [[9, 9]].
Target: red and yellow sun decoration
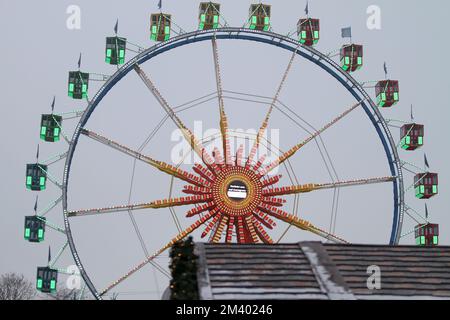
[[233, 197]]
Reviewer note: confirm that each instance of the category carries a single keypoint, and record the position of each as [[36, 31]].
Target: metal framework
[[266, 203], [234, 197]]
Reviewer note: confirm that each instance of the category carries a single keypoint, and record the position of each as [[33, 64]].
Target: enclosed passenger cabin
[[36, 177], [351, 57], [46, 279], [260, 17], [51, 127], [426, 185], [209, 15], [78, 84], [427, 234], [34, 228], [308, 31], [160, 24], [387, 92], [115, 50], [411, 136]]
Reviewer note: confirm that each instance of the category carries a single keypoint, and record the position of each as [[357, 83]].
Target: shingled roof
[[312, 270]]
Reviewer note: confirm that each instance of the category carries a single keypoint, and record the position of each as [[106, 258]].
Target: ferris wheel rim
[[270, 38]]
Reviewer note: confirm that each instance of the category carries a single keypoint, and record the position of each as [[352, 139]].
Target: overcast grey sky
[[38, 50]]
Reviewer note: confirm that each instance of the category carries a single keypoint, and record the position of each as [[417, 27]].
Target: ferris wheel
[[229, 195]]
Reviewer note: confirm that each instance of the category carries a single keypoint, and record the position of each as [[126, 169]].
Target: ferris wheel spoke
[[183, 201], [313, 187], [204, 173], [220, 228], [240, 233], [240, 157], [265, 123], [230, 229], [179, 237], [300, 223], [262, 234], [223, 117], [160, 165], [188, 135], [210, 226], [99, 211], [264, 219], [260, 162], [285, 156], [251, 229], [51, 178], [218, 158], [158, 204], [276, 202], [200, 209], [307, 226]]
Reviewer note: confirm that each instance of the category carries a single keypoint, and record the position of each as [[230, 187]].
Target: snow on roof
[[312, 270]]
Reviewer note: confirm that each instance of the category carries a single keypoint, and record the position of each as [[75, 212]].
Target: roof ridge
[[326, 272]]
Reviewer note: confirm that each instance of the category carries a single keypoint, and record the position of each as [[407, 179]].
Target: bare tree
[[114, 296], [64, 293], [14, 286]]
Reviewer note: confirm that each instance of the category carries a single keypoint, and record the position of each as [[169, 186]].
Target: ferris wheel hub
[[237, 191]]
